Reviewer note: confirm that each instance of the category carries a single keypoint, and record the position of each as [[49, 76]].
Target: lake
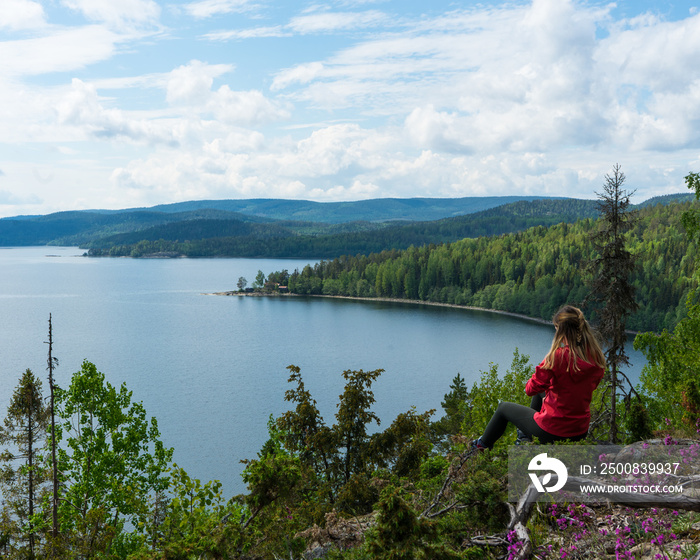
[[212, 369]]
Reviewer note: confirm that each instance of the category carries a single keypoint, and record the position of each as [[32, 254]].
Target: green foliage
[[612, 289], [404, 445], [491, 389], [23, 473], [341, 460], [112, 460], [453, 405], [669, 381], [532, 272], [192, 522], [483, 491], [334, 453], [272, 477], [636, 421], [691, 218], [259, 280], [352, 419], [401, 535], [219, 236]]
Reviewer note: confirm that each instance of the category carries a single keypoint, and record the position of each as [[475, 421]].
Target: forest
[[225, 218], [529, 272], [220, 238], [85, 474]]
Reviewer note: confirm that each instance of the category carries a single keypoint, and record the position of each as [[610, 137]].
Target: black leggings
[[523, 418]]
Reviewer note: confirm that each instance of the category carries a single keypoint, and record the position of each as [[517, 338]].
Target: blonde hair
[[573, 328]]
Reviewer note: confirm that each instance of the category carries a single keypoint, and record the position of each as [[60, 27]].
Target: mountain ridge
[[421, 218]]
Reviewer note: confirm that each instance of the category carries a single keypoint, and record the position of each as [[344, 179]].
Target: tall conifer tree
[[611, 287], [24, 434]]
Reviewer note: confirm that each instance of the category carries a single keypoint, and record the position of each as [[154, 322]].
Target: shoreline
[[397, 300], [388, 300]]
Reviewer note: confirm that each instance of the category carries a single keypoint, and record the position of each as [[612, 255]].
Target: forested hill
[[205, 238], [295, 216], [253, 227], [529, 272], [373, 210], [78, 227]]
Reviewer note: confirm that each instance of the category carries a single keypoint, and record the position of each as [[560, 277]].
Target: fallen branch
[[451, 474], [519, 515], [491, 540]]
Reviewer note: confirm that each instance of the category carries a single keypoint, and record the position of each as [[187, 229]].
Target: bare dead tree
[[52, 363]]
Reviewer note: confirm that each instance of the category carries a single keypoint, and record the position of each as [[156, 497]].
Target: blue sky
[[130, 103]]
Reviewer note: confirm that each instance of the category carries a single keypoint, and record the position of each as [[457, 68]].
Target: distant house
[[283, 289], [249, 290]]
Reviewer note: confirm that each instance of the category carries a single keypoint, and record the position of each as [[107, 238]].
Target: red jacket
[[566, 407]]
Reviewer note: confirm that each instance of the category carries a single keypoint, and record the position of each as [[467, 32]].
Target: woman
[[561, 387]]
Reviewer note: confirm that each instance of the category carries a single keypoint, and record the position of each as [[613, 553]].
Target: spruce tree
[[24, 435], [611, 288]]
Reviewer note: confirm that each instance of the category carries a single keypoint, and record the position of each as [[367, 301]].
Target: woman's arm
[[540, 381]]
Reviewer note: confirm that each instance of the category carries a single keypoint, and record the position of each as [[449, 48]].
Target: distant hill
[[373, 210], [81, 227], [667, 199], [206, 238], [265, 227]]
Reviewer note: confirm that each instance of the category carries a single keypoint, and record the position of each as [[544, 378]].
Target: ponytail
[[573, 328]]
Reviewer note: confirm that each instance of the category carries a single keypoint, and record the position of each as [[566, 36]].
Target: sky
[[130, 103]]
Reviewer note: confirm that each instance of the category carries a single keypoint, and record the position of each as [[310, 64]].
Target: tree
[[24, 431], [670, 379], [259, 280], [400, 534], [241, 284], [52, 363], [353, 417], [611, 287], [113, 459], [342, 457], [691, 218], [455, 410]]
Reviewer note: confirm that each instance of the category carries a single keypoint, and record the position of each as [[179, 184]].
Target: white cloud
[[437, 130], [244, 107], [302, 74], [658, 55], [81, 108], [535, 97], [329, 22], [8, 198], [21, 14], [60, 51], [518, 78], [356, 191], [209, 8], [191, 84], [254, 33], [118, 14]]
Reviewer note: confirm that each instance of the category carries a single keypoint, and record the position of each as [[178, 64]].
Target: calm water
[[212, 369]]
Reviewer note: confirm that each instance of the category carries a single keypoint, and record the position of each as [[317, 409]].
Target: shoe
[[522, 438], [476, 445]]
